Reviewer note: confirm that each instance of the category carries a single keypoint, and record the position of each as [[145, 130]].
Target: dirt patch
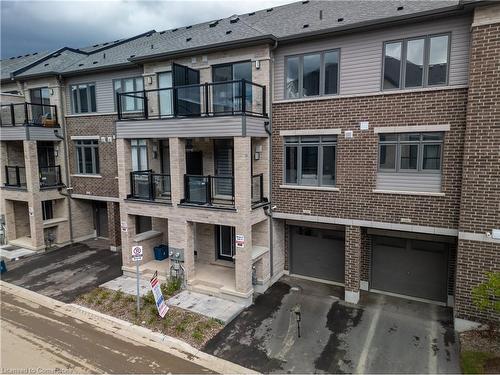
[[480, 351], [190, 327]]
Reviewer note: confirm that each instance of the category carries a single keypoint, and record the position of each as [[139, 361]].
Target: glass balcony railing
[[29, 114], [208, 99], [209, 190], [146, 185], [15, 176], [50, 176]]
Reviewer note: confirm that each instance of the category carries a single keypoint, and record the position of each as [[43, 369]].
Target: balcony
[[15, 177], [25, 121], [149, 186], [50, 176], [237, 108], [212, 191]]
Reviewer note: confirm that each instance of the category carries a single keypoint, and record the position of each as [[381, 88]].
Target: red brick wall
[[106, 186], [480, 209], [357, 158]]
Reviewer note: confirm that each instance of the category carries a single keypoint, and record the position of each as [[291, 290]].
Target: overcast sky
[[32, 26]]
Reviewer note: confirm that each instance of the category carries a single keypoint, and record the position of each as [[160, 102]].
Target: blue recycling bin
[[3, 267], [161, 252]]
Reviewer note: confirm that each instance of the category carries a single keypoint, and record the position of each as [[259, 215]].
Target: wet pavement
[[381, 334], [36, 339], [68, 272]]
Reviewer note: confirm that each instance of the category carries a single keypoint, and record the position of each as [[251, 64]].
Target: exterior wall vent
[[340, 19], [188, 39], [228, 32], [400, 8], [305, 26]]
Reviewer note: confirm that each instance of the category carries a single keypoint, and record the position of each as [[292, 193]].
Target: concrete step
[[203, 289]]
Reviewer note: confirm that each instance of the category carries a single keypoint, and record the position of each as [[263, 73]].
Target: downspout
[[66, 155], [269, 130]]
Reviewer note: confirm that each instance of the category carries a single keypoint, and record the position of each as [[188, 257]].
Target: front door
[[46, 155], [194, 163], [101, 219], [225, 242]]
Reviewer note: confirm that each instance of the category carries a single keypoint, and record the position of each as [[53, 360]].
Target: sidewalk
[[130, 331]]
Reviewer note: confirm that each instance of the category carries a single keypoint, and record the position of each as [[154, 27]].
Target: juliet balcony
[[236, 108], [50, 177], [28, 121]]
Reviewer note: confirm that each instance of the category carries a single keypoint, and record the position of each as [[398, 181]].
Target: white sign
[[30, 211], [240, 240], [160, 301], [137, 253]]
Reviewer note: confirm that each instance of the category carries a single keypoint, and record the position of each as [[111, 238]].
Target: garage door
[[317, 253], [410, 267]]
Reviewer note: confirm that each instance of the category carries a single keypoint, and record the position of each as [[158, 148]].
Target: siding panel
[[429, 183], [361, 54]]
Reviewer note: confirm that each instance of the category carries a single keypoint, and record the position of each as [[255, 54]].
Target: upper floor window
[[87, 156], [416, 62], [133, 102], [312, 74], [41, 98], [83, 98], [139, 154], [410, 152], [310, 160]]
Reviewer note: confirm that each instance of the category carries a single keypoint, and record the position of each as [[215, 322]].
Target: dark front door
[[194, 163], [46, 155], [317, 253], [101, 219], [410, 267], [225, 242], [188, 99]]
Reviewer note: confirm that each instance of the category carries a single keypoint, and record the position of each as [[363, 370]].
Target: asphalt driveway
[[68, 272], [381, 334]]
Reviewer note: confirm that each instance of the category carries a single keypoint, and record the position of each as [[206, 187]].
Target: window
[[410, 152], [40, 97], [416, 62], [310, 160], [47, 210], [142, 224], [83, 98], [139, 155], [129, 103], [312, 74], [87, 156]]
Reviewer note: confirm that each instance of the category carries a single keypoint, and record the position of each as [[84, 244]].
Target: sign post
[[160, 301], [137, 257]]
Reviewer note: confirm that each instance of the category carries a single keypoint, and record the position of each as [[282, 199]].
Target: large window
[[416, 62], [142, 224], [40, 96], [312, 74], [47, 210], [310, 160], [83, 98], [139, 155], [87, 156], [132, 102], [410, 152]]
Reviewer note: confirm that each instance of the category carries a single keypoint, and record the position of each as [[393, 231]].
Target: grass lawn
[[193, 328], [480, 352], [474, 362]]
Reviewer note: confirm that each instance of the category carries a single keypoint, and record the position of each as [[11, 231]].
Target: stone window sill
[[86, 175], [147, 235], [303, 187], [402, 192]]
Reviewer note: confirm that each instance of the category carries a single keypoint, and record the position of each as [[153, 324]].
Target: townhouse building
[[349, 143]]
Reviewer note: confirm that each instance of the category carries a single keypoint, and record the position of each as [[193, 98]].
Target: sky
[[36, 26]]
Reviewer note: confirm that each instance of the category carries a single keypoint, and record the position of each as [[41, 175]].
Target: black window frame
[[47, 210], [420, 153], [93, 144], [302, 141], [123, 108], [76, 107], [322, 82], [425, 76], [143, 224]]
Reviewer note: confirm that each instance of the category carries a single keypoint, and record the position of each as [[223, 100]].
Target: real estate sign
[[160, 302]]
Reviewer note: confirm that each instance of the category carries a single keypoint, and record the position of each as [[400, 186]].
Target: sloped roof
[[295, 20], [13, 63]]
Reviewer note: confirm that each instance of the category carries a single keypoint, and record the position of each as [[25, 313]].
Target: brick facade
[[357, 157], [102, 126], [480, 208]]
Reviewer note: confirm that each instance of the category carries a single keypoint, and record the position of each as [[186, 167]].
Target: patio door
[[223, 159], [41, 98], [165, 96], [225, 242], [227, 97], [188, 98]]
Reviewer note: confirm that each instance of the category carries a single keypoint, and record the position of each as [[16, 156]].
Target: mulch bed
[[190, 327], [483, 341]]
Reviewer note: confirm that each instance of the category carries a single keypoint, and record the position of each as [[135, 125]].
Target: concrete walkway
[[12, 252], [127, 285]]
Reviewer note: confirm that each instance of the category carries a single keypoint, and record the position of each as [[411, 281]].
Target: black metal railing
[[28, 114], [258, 189], [15, 176], [209, 190], [207, 99], [50, 176], [147, 185]]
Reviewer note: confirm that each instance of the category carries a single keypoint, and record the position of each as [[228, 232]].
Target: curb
[[130, 331]]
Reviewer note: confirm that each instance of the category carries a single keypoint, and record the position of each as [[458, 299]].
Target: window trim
[[425, 74], [322, 82], [121, 83], [320, 144], [95, 148], [420, 154], [73, 108]]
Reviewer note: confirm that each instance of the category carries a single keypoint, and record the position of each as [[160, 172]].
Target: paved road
[[381, 334], [68, 272], [35, 337]]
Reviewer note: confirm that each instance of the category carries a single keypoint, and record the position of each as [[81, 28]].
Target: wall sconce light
[[257, 64], [150, 80], [51, 91]]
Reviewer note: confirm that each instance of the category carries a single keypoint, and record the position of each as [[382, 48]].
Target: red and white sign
[[137, 253], [240, 240], [160, 302]]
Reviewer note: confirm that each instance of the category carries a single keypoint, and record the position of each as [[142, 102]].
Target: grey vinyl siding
[[105, 97], [361, 54], [229, 126], [20, 133], [255, 126], [416, 182]]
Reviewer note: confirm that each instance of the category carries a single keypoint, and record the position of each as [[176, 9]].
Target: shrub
[[171, 287], [117, 296], [486, 296], [149, 299]]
